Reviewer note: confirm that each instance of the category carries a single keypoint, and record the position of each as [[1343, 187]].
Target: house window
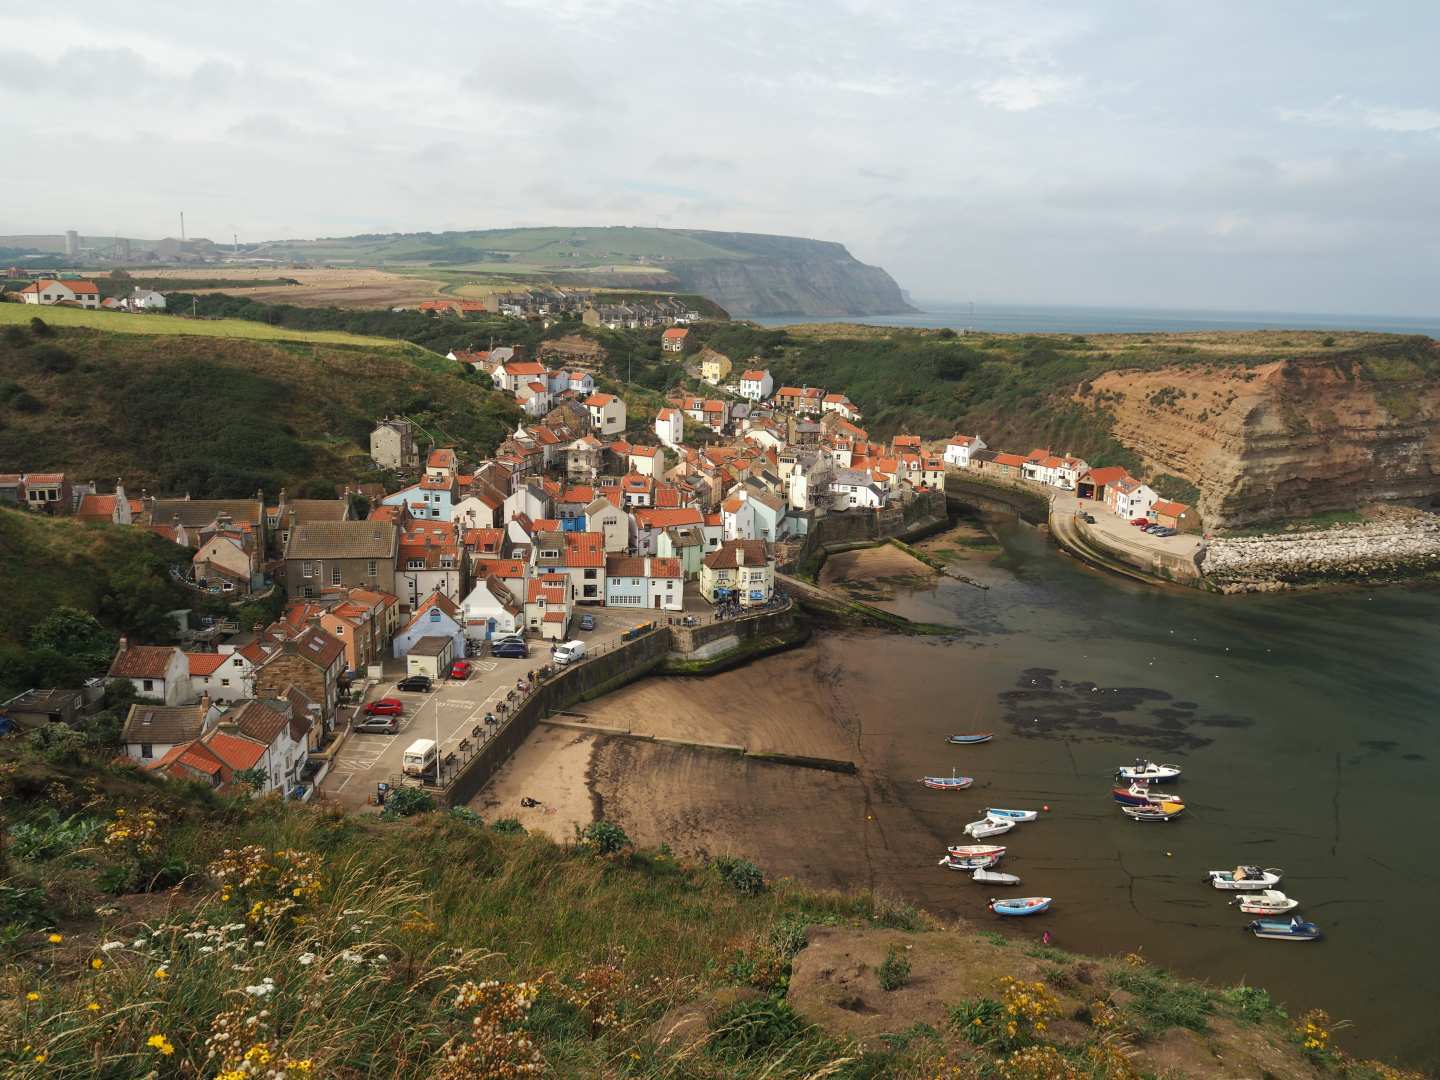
[[146, 750], [284, 538], [335, 574], [370, 568], [238, 662], [434, 614], [339, 631], [224, 682], [447, 563], [306, 570], [415, 564], [147, 685]]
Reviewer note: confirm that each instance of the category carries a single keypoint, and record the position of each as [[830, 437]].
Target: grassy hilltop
[[157, 930], [225, 410]]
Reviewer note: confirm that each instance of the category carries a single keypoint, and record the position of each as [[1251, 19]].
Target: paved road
[[452, 710], [1121, 532]]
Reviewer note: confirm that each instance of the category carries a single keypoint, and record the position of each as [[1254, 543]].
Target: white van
[[569, 652], [420, 757]]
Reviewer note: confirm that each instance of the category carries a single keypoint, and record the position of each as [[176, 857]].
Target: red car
[[386, 706], [1137, 522], [460, 669]]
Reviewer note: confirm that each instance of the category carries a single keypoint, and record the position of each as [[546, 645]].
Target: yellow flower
[[55, 939], [32, 996], [94, 1006], [40, 1058], [161, 974], [97, 963], [161, 1043]]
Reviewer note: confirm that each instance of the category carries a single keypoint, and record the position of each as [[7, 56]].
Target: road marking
[[341, 787]]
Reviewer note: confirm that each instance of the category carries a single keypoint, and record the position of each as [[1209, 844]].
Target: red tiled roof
[[205, 663], [236, 751], [142, 662], [1107, 475], [584, 549], [1013, 460], [755, 375], [599, 400], [657, 518], [1170, 509], [675, 333]]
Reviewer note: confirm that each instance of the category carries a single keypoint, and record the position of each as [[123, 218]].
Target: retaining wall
[[1162, 564], [923, 512], [1029, 499]]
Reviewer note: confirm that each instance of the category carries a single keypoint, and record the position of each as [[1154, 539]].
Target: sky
[[1262, 155]]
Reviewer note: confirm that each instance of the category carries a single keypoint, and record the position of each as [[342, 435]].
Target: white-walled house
[[152, 731], [853, 489], [49, 291], [959, 449], [670, 427], [437, 616], [1129, 498], [607, 413], [223, 676], [157, 672], [612, 522], [646, 460], [492, 609], [756, 384]]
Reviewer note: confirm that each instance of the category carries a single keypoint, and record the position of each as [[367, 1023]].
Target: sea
[[1307, 725], [1052, 319]]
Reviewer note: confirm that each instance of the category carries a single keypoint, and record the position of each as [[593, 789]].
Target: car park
[[385, 706], [460, 669], [510, 650], [1139, 522], [587, 622], [415, 684], [377, 725]]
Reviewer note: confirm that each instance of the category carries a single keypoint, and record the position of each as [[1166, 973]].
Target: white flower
[[261, 990], [306, 959], [111, 946], [207, 949], [138, 943]]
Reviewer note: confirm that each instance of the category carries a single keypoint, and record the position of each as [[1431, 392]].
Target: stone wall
[[924, 511], [599, 675], [703, 642], [1163, 564], [1029, 499]]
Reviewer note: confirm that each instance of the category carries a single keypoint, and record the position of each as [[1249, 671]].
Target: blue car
[[587, 622], [511, 650]]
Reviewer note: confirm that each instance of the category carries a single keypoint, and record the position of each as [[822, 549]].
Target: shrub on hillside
[[53, 360], [507, 826], [894, 971], [407, 802], [605, 837], [40, 328], [742, 875]]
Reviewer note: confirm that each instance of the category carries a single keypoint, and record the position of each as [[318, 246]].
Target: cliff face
[[1292, 438], [794, 285]]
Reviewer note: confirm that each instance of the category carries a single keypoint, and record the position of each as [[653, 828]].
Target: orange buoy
[[1046, 808]]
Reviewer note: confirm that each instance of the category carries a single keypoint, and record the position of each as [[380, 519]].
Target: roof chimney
[[124, 643]]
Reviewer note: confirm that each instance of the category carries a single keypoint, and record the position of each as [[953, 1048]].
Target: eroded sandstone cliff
[[1286, 439]]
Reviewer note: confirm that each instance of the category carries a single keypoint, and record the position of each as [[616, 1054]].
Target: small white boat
[[1245, 878], [987, 827], [969, 864], [1148, 770], [947, 783], [995, 877], [971, 740], [1266, 902], [994, 813], [1021, 905], [973, 851]]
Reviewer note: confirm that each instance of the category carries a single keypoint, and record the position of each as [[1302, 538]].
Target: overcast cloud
[[1276, 155]]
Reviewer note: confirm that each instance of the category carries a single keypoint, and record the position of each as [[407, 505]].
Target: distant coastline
[[1058, 319]]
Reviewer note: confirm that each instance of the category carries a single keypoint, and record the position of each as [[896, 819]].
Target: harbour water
[[1306, 726], [1051, 319]]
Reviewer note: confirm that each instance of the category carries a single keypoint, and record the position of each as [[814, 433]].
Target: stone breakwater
[[1401, 546]]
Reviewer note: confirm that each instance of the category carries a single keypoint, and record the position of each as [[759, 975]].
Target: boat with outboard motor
[[1022, 905], [1245, 878], [1266, 902], [1148, 770], [1292, 929]]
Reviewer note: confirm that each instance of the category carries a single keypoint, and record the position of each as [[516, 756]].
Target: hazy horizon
[[1280, 157]]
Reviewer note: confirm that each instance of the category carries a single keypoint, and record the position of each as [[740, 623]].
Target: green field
[[122, 323]]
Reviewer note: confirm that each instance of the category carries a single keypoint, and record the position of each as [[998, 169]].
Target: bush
[[48, 836], [742, 875], [1163, 1003], [1252, 1003], [16, 337], [40, 328], [22, 904], [507, 826], [465, 814], [894, 971], [751, 1027], [407, 802], [53, 359], [605, 837]]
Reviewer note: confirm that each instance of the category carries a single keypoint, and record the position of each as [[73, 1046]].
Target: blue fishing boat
[[997, 814], [978, 737], [1292, 929], [1021, 905]]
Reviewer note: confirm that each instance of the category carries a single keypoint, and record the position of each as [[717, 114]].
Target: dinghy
[[1148, 770], [978, 737], [1292, 929], [995, 877], [1139, 794], [1266, 902], [970, 863], [1245, 878], [1166, 811], [996, 814], [1023, 905], [947, 783], [987, 827], [971, 851]]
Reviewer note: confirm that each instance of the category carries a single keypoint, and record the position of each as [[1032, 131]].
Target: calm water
[[1306, 725], [1020, 318]]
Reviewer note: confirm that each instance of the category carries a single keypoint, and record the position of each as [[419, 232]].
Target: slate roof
[[196, 512], [343, 540], [163, 723]]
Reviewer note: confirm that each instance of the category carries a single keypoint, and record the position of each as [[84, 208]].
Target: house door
[[657, 603]]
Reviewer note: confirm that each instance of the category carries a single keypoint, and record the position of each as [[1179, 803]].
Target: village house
[[740, 570], [840, 405], [313, 662], [227, 563], [152, 731], [959, 449], [267, 724], [1129, 498], [1175, 515], [513, 374], [158, 673], [670, 427], [48, 291], [435, 616], [756, 384], [44, 493], [855, 489], [580, 556], [1093, 483], [428, 560], [651, 522], [116, 509], [341, 554], [646, 460], [221, 677], [611, 521], [644, 582], [607, 413], [801, 399], [392, 444], [715, 367], [491, 608], [673, 340], [549, 602]]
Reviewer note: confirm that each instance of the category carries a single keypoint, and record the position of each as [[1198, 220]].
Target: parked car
[[385, 706], [415, 684], [377, 725], [511, 650], [460, 669], [587, 622], [1089, 519], [568, 653], [1139, 521], [504, 638], [1163, 530]]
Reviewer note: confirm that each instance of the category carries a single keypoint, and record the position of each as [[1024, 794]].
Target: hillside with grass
[[223, 416], [1255, 425], [158, 929]]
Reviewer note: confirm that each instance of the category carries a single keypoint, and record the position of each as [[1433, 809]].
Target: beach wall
[[1097, 545], [703, 642], [924, 512], [1029, 499], [626, 662]]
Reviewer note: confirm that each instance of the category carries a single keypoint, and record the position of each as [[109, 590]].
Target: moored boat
[[1292, 929], [1245, 878], [977, 737], [972, 851], [1022, 905], [1266, 902], [969, 863], [1139, 794], [1148, 770], [1166, 811], [986, 827], [994, 813], [947, 783], [995, 877]]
